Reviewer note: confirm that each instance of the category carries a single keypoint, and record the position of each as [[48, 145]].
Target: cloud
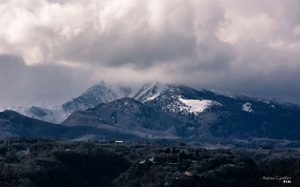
[[107, 33], [27, 85], [242, 46]]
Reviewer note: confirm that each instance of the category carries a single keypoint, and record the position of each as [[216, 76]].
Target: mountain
[[47, 113], [159, 110], [183, 112], [97, 94], [206, 113], [15, 125], [150, 91], [126, 115]]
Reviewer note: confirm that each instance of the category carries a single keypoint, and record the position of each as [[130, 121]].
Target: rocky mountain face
[[125, 115], [97, 94], [205, 113], [150, 91], [172, 111], [180, 121], [177, 111]]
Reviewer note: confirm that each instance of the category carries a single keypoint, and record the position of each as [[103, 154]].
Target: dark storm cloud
[[21, 84], [248, 46]]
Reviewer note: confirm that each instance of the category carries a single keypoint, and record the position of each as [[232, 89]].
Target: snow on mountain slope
[[97, 94], [19, 109], [159, 110], [100, 93], [125, 115], [123, 91], [150, 91], [190, 106], [197, 106], [247, 107], [93, 96], [174, 98], [52, 114]]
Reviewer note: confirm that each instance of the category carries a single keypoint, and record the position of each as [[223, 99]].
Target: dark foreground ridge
[[90, 164]]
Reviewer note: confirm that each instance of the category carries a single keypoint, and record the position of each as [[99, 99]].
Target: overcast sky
[[54, 49]]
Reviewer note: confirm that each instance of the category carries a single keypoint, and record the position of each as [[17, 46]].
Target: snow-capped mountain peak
[[99, 93], [150, 91]]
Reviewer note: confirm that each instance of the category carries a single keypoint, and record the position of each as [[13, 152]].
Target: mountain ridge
[[174, 111], [197, 114]]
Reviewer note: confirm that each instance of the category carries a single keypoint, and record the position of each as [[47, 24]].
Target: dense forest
[[61, 163]]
